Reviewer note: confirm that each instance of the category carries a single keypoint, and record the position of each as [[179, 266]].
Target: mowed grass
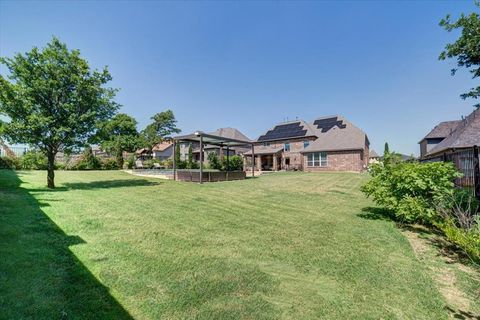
[[108, 245]]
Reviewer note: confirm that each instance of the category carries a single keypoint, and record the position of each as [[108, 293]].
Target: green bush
[[34, 160], [88, 161], [130, 162], [467, 240], [410, 189], [109, 164], [213, 161], [235, 163], [9, 163]]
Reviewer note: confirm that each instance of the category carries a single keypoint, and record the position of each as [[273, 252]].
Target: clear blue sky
[[249, 65]]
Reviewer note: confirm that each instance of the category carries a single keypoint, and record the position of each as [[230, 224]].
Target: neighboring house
[[452, 136], [327, 144], [143, 154], [373, 157], [163, 151], [437, 135]]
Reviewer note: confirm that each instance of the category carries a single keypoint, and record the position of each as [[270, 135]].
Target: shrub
[[109, 164], [130, 162], [9, 163], [87, 161], [34, 160], [411, 190], [467, 240], [234, 163], [213, 161]]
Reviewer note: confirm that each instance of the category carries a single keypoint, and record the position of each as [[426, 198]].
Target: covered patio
[[203, 139], [266, 158]]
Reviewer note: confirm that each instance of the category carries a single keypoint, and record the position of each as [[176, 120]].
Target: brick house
[[327, 144]]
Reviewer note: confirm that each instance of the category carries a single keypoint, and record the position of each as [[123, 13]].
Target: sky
[[251, 65]]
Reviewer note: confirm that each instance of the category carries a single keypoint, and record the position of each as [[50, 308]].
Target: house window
[[306, 143], [317, 159], [266, 144], [286, 147]]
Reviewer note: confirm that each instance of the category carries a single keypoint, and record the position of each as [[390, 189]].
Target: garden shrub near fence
[[425, 193]]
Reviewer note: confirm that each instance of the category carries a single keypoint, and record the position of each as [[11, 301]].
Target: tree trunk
[[50, 170], [120, 159]]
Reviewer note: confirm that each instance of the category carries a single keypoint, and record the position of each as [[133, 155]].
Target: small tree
[[177, 153], [53, 100], [119, 134], [214, 161], [466, 49], [162, 127], [190, 157]]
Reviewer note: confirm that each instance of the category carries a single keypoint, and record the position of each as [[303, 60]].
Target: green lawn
[[291, 246]]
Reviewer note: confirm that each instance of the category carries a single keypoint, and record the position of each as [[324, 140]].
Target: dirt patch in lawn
[[445, 266]]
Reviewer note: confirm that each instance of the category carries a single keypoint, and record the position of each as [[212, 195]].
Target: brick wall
[[341, 161]]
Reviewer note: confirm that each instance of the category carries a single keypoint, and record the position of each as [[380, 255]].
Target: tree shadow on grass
[[40, 278], [104, 184], [376, 213]]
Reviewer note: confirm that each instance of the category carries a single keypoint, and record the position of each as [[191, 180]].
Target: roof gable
[[337, 133], [230, 133], [466, 134], [443, 129]]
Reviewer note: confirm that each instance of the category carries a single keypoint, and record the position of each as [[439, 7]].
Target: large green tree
[[466, 49], [119, 134], [53, 100], [162, 127]]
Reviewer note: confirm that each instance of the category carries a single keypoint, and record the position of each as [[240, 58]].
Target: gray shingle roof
[[466, 134], [306, 126], [344, 136], [231, 133], [264, 150], [373, 154], [443, 129]]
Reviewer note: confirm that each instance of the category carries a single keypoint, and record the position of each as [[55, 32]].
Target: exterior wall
[[340, 161], [428, 144], [294, 156], [165, 154]]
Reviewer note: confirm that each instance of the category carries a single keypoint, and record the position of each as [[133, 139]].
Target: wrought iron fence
[[467, 161]]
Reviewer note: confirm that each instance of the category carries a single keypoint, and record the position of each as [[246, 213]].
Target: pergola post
[[228, 158], [201, 159], [174, 159], [253, 161]]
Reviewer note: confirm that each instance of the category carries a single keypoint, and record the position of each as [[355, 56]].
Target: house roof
[[142, 150], [442, 130], [288, 130], [373, 154], [260, 150], [336, 133], [466, 134], [162, 146], [231, 133]]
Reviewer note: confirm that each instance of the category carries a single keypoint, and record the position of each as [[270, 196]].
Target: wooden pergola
[[204, 138]]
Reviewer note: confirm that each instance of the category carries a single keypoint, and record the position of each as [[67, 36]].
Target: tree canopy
[[53, 100], [119, 134], [162, 127], [466, 49]]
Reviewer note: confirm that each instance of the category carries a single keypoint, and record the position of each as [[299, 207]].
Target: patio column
[[228, 158], [174, 160], [275, 162], [201, 159]]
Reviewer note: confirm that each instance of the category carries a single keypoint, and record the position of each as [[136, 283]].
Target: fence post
[[476, 170]]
